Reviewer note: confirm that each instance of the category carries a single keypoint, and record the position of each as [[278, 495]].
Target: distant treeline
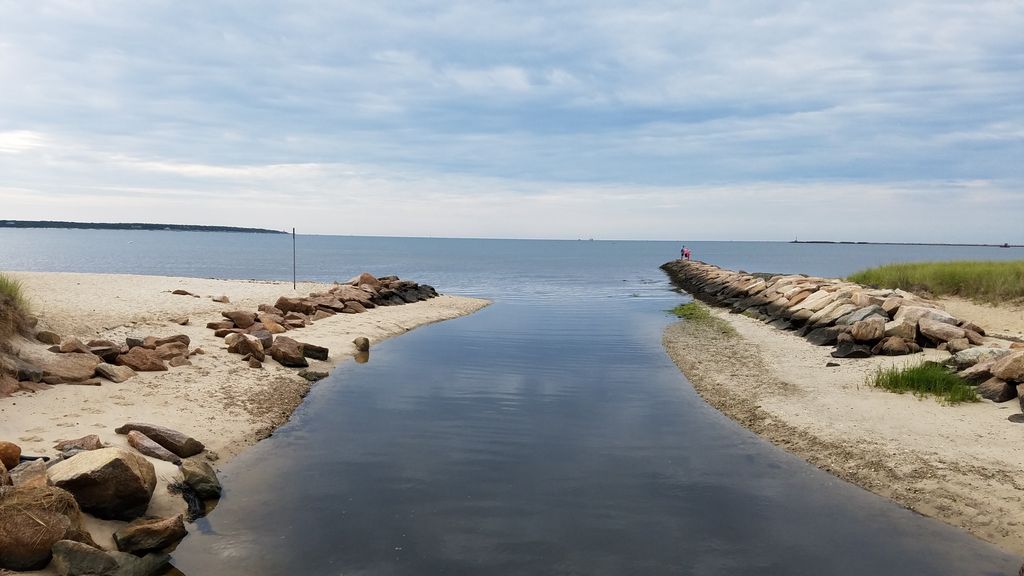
[[130, 226]]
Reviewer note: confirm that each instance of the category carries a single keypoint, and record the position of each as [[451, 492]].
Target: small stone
[[848, 350], [254, 363], [10, 454], [313, 375], [362, 344], [142, 359], [313, 351], [222, 299], [832, 364], [47, 337], [179, 361], [241, 318], [150, 535], [181, 320], [202, 478]]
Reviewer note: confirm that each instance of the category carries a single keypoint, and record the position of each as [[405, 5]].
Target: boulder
[[72, 344], [222, 299], [241, 318], [285, 305], [362, 344], [47, 337], [844, 337], [202, 478], [974, 338], [178, 361], [8, 385], [849, 350], [181, 338], [113, 372], [33, 519], [264, 336], [72, 558], [972, 327], [31, 473], [958, 345], [274, 327], [938, 331], [222, 325], [1010, 367], [170, 350], [71, 367], [109, 483], [916, 313], [901, 328], [10, 454], [1017, 346], [364, 278], [972, 356], [254, 363], [997, 390], [223, 333], [90, 442], [891, 346], [106, 353], [133, 341], [354, 307], [148, 447], [142, 359], [177, 442], [322, 314], [869, 330], [247, 344], [891, 304], [150, 535], [270, 309], [313, 351], [861, 314], [288, 352]]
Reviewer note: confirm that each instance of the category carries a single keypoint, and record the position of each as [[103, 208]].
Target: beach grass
[[925, 379], [698, 313], [980, 280], [13, 306]]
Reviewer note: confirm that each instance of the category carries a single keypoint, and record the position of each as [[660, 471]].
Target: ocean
[[546, 434]]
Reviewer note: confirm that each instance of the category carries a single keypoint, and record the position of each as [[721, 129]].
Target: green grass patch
[[13, 306], [926, 379], [699, 313], [981, 280]]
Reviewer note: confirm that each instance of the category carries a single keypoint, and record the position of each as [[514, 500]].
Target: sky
[[685, 120]]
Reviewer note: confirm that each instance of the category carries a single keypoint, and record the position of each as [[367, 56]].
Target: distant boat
[[1005, 245]]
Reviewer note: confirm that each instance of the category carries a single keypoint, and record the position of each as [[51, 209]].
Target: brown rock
[[844, 337], [149, 342], [150, 535], [254, 363], [270, 309], [5, 477], [142, 360], [10, 454], [179, 361], [1017, 346], [180, 320], [321, 314], [904, 329], [288, 352], [72, 558], [916, 313], [365, 278], [891, 305], [28, 535], [181, 444], [958, 345], [106, 353], [263, 335], [241, 318], [247, 344], [73, 344], [148, 447], [362, 344], [972, 327], [974, 338], [181, 292], [8, 385], [313, 351], [225, 331], [47, 337], [202, 478], [114, 373], [182, 338], [274, 327], [354, 307], [222, 299], [294, 323], [892, 346], [938, 332], [997, 390], [71, 367], [1010, 367], [90, 442], [868, 330], [222, 325], [352, 294], [110, 483], [285, 304], [170, 350]]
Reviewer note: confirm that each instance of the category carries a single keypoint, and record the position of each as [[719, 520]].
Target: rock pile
[[860, 321], [256, 335], [857, 320]]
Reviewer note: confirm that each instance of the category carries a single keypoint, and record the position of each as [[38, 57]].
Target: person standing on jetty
[[685, 253]]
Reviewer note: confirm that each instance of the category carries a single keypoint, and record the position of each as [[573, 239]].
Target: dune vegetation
[[13, 306], [984, 281], [926, 379]]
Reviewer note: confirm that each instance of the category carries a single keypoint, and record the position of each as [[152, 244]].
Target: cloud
[[526, 100]]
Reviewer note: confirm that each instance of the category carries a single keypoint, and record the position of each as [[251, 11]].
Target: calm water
[[547, 434]]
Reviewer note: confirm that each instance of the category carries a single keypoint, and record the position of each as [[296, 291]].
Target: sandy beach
[[960, 464], [218, 399]]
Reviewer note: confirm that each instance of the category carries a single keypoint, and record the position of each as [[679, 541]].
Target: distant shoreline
[[130, 226], [905, 243]]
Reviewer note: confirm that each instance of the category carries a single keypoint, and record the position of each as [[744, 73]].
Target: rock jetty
[[859, 321]]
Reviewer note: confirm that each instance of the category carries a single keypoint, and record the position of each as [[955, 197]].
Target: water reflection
[[533, 439]]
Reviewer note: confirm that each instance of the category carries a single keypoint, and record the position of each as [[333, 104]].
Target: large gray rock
[[939, 332], [148, 447], [916, 313], [72, 558], [202, 478], [971, 356], [860, 314], [150, 535], [109, 483], [177, 442]]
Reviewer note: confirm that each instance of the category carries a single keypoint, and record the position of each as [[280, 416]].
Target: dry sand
[[218, 400], [961, 464]]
